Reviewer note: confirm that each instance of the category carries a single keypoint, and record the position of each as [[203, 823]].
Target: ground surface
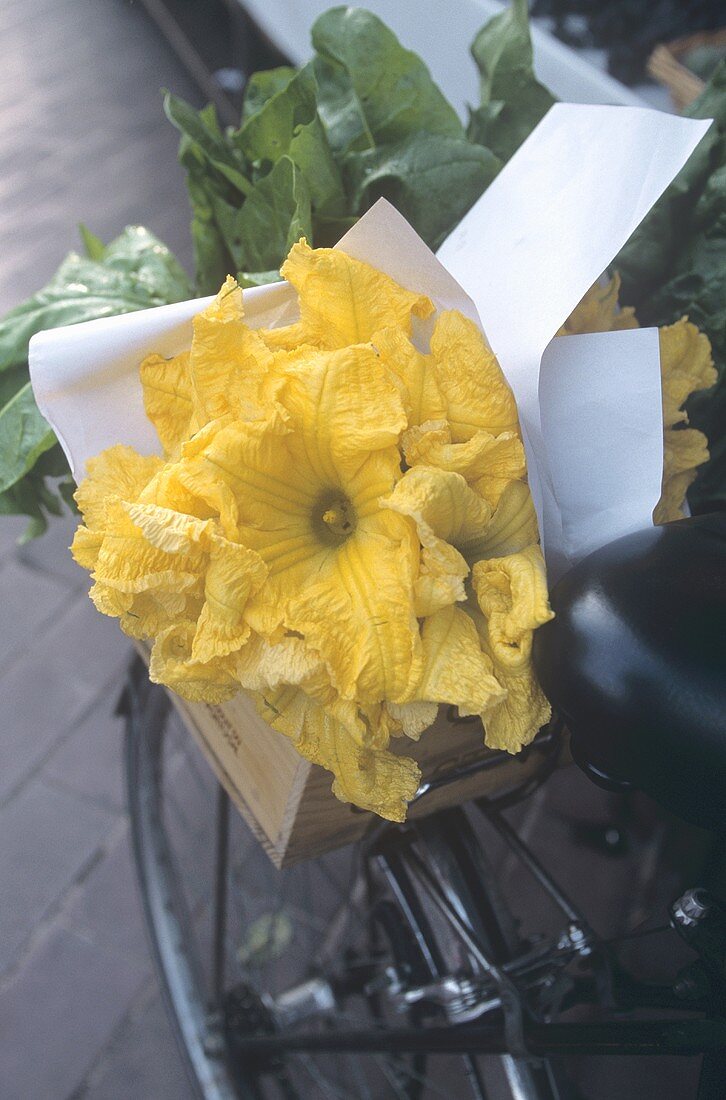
[[82, 137]]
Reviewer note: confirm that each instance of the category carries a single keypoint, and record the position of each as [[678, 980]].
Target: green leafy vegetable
[[276, 214], [314, 149], [512, 99], [262, 86], [675, 264], [24, 436], [432, 183], [133, 272], [288, 125], [137, 271], [372, 91], [362, 120], [291, 178]]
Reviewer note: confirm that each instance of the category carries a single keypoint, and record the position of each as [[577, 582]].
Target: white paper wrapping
[[520, 261]]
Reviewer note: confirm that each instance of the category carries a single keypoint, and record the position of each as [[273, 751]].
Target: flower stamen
[[339, 518]]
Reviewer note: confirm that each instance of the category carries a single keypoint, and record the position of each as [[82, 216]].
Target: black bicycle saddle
[[635, 662]]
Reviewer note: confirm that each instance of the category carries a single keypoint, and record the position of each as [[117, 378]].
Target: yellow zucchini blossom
[[340, 526], [686, 366]]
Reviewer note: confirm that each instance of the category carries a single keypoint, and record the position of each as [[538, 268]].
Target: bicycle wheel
[[339, 942]]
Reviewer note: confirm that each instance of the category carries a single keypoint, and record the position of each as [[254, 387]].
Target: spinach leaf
[[675, 264], [432, 180], [24, 436], [372, 91], [276, 213], [512, 99], [137, 271], [203, 132], [133, 272], [263, 86], [288, 125]]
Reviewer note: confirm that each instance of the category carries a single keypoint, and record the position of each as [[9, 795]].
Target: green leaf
[[263, 86], [67, 489], [371, 90], [202, 130], [24, 436], [653, 254], [149, 267], [257, 278], [275, 215], [22, 500], [11, 381], [212, 259], [512, 99], [94, 246], [675, 264], [432, 180], [138, 271], [287, 124]]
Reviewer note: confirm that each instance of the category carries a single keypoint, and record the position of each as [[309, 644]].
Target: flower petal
[[172, 664], [85, 547], [415, 717], [456, 670], [361, 619], [415, 371], [447, 514], [116, 473], [684, 450], [475, 391], [686, 365], [128, 562], [372, 779], [520, 716], [324, 394], [233, 574], [599, 311], [344, 301], [512, 595], [513, 526], [230, 364], [487, 462], [167, 387]]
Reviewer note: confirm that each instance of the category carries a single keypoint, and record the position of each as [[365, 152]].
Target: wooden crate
[[288, 803]]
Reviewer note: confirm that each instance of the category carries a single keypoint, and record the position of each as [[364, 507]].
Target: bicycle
[[396, 967]]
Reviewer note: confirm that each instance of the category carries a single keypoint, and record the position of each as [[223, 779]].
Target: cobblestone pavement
[[82, 137]]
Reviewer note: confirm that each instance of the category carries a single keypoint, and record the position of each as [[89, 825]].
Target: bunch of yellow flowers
[[340, 526]]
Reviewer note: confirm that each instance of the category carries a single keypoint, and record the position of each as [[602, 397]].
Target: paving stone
[[77, 660], [11, 528], [106, 910], [141, 1060], [28, 600], [89, 762], [48, 838], [59, 1012], [98, 928], [80, 74], [51, 554]]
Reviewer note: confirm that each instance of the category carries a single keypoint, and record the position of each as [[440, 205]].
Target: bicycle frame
[[440, 860], [514, 1033]]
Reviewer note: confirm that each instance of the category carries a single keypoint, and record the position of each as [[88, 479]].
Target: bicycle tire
[[197, 1036]]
